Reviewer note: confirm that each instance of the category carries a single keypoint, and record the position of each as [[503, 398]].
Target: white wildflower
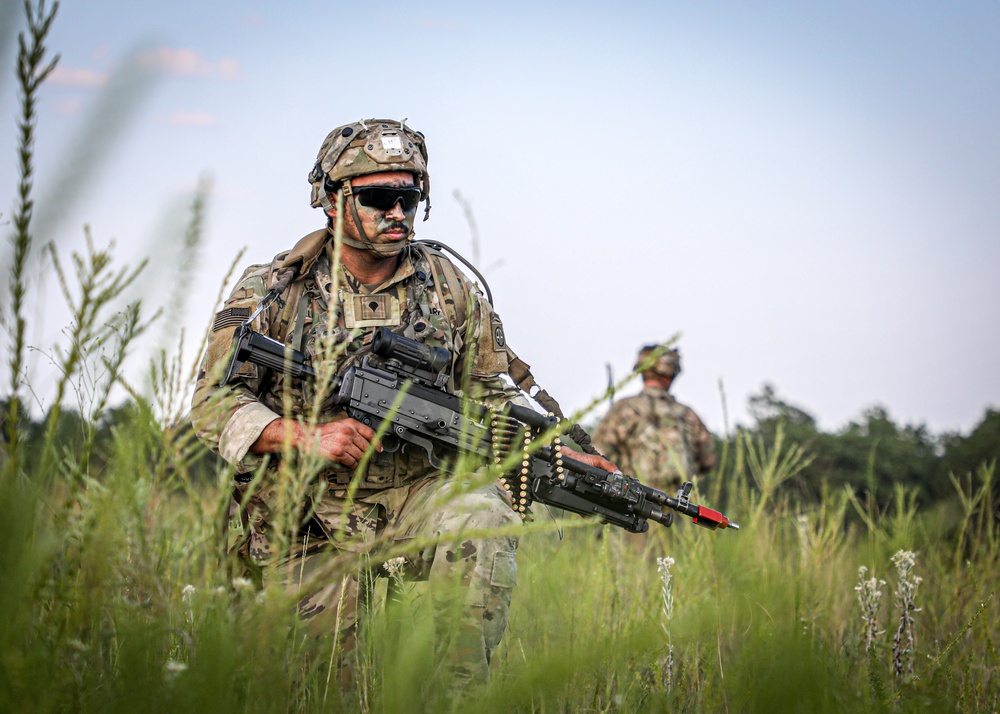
[[870, 598], [394, 566], [663, 566], [172, 669], [187, 596], [904, 561], [242, 584], [904, 598]]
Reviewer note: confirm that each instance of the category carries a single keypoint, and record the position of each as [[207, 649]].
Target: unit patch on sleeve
[[499, 339]]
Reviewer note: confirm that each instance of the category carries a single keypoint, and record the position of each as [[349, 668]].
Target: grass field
[[116, 597]]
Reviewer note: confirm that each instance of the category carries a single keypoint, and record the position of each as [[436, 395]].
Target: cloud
[[202, 119], [186, 62], [77, 77]]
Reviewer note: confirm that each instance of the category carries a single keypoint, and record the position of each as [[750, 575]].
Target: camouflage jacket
[[427, 299], [655, 438]]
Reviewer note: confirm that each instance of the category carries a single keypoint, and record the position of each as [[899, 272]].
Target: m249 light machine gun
[[404, 384]]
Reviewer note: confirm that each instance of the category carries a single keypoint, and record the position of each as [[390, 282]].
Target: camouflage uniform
[[654, 437], [427, 300]]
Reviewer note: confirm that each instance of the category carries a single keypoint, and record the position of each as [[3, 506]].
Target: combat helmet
[[668, 364], [365, 147]]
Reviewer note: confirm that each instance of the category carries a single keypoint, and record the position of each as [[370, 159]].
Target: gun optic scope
[[388, 345]]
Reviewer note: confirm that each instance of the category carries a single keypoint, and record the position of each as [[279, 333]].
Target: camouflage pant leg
[[472, 578], [329, 582]]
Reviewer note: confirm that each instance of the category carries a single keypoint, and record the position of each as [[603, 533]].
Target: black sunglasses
[[383, 198]]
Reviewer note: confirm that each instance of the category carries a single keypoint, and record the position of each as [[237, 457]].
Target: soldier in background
[[652, 436]]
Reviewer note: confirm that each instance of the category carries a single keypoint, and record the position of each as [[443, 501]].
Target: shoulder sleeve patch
[[491, 342], [230, 317], [499, 339]]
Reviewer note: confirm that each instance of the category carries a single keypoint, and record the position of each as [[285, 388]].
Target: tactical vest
[[290, 314]]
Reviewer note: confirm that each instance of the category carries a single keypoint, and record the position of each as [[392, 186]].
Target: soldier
[[266, 426], [652, 436]]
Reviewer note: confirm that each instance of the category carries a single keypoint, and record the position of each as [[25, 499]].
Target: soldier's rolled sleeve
[[214, 406], [240, 432]]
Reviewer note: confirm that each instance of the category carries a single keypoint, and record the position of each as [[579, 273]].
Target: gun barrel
[[530, 417]]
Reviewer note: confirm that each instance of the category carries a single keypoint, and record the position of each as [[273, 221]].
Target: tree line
[[875, 448]]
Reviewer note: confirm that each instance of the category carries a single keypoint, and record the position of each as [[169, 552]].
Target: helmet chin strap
[[366, 243], [380, 248]]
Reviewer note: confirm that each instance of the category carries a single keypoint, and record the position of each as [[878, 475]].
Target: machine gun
[[404, 384]]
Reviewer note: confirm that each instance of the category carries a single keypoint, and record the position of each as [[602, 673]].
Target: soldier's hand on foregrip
[[595, 460]]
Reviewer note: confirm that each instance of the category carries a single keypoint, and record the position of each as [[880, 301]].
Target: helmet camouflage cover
[[668, 364], [369, 146]]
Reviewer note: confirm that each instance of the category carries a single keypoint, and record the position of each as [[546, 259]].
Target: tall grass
[[32, 70], [117, 595]]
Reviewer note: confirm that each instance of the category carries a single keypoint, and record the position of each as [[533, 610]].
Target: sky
[[807, 193]]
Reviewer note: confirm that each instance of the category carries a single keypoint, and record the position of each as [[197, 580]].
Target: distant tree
[[899, 455], [909, 455], [965, 454], [768, 408], [769, 411]]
